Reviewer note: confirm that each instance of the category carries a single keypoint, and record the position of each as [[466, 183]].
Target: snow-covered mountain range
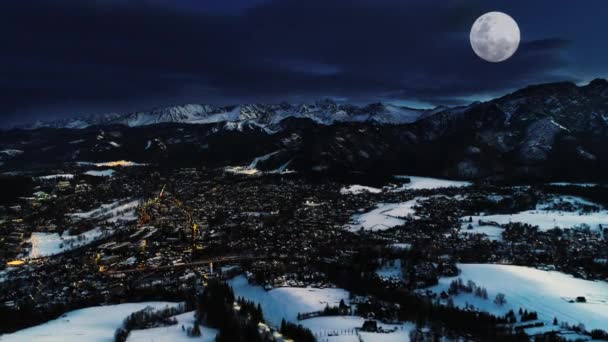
[[324, 112], [552, 131]]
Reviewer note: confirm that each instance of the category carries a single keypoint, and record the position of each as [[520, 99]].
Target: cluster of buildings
[[280, 230]]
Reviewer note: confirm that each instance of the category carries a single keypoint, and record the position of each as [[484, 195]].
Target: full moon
[[495, 36]]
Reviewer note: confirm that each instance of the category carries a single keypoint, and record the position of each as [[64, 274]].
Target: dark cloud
[[546, 44], [60, 56]]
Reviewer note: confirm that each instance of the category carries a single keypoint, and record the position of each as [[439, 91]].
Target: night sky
[[70, 57]]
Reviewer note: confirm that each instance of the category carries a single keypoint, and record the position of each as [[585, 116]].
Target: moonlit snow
[[385, 216], [342, 329], [47, 244], [274, 302], [583, 185], [11, 152], [547, 292], [492, 233], [173, 333], [358, 189], [390, 270], [287, 302], [421, 183], [100, 173], [111, 212], [57, 176], [94, 324], [416, 183], [252, 169], [545, 218]]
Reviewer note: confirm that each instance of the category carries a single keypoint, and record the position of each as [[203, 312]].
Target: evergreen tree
[[196, 330]]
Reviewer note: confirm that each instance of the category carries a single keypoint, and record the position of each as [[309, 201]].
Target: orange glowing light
[[15, 263]]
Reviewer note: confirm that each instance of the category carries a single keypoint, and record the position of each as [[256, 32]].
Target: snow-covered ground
[[493, 233], [385, 216], [47, 244], [252, 169], [357, 189], [545, 218], [575, 201], [401, 246], [287, 302], [419, 183], [100, 173], [115, 211], [57, 176], [390, 270], [585, 185], [255, 161], [548, 293], [4, 275], [173, 332], [282, 169], [345, 329], [94, 324], [11, 152], [240, 170], [416, 183]]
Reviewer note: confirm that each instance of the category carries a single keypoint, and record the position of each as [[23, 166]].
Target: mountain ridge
[[554, 131], [323, 112]]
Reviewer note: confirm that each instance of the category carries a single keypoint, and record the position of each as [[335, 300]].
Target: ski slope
[[47, 244], [94, 324], [427, 183], [173, 333], [547, 292], [274, 302]]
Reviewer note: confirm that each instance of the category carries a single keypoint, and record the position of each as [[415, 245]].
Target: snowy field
[[252, 169], [390, 270], [100, 173], [565, 199], [358, 189], [47, 244], [115, 211], [546, 292], [287, 302], [11, 152], [492, 233], [385, 216], [57, 176], [545, 218], [241, 170], [419, 183], [585, 185], [94, 324], [248, 171], [416, 183], [344, 327], [173, 332]]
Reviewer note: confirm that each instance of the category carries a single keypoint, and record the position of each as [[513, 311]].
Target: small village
[[141, 234]]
